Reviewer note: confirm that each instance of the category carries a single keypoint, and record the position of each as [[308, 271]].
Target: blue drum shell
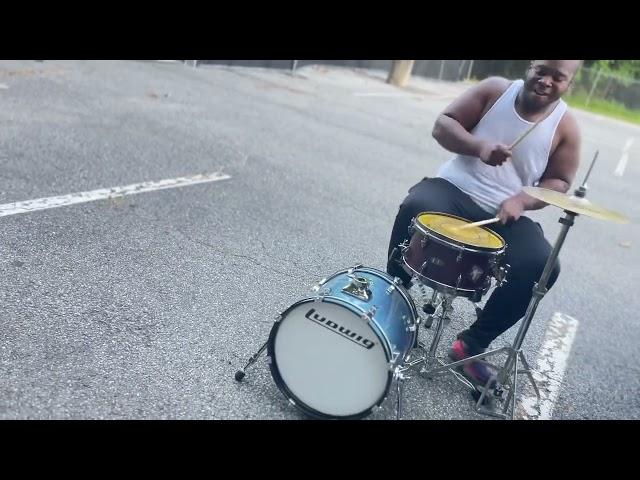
[[394, 316]]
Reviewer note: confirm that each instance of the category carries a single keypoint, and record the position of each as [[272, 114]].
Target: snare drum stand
[[507, 376], [438, 310]]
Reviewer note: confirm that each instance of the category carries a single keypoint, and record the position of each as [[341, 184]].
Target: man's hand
[[495, 154], [511, 209]]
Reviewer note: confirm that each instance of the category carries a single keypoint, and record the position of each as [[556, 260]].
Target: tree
[[400, 72], [625, 69]]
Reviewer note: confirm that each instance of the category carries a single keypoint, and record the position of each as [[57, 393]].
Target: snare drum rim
[[299, 404], [443, 239]]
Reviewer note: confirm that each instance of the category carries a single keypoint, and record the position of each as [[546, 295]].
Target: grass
[[604, 107], [607, 108]]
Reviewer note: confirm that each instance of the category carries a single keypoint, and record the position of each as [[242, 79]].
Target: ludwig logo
[[340, 330]]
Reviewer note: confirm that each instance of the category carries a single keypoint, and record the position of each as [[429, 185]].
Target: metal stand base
[[506, 378], [254, 358]]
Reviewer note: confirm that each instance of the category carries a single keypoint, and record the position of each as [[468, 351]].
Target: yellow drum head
[[449, 226]]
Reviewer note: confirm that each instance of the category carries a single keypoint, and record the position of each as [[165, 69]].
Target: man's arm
[[452, 127], [559, 175]]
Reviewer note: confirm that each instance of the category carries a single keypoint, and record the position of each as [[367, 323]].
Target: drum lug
[[423, 242], [393, 361], [411, 328], [501, 274], [411, 228], [277, 318], [321, 293], [459, 257], [317, 286], [459, 281], [354, 268], [368, 316], [396, 283]]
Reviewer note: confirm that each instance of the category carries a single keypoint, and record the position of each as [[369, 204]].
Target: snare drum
[[453, 260], [334, 355]]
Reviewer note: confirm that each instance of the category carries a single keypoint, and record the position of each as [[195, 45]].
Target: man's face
[[547, 81]]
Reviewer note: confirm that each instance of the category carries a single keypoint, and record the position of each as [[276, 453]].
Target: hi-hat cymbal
[[574, 204]]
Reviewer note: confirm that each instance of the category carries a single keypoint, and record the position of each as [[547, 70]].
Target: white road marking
[[549, 370], [105, 193], [622, 164]]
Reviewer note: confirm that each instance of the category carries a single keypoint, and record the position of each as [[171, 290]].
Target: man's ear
[[529, 68]]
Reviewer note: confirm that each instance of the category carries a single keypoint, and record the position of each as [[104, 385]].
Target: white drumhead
[[330, 359]]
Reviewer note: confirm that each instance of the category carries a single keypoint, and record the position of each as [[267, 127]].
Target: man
[[484, 179]]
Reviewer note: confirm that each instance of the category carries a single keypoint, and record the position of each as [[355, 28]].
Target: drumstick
[[477, 224], [522, 137], [513, 145]]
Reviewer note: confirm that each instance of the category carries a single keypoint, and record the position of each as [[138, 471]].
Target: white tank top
[[489, 186]]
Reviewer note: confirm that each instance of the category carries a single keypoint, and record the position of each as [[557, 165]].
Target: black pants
[[527, 252]]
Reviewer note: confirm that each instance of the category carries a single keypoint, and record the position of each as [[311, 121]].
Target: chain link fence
[[590, 85], [447, 70], [593, 84]]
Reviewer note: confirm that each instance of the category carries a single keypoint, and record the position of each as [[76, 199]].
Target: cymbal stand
[[507, 376]]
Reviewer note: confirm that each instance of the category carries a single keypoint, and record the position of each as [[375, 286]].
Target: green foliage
[[604, 107], [623, 69]]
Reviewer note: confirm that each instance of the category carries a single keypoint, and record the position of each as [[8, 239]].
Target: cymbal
[[574, 204]]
